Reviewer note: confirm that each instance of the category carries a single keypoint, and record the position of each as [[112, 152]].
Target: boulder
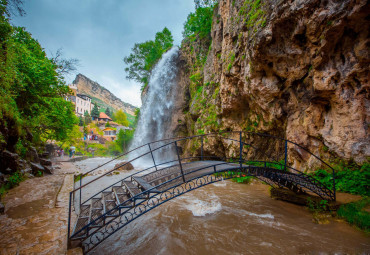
[[48, 170], [2, 179], [45, 155], [9, 162], [32, 155], [124, 166], [36, 168], [45, 162], [2, 208]]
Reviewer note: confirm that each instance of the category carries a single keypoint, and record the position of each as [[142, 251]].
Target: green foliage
[[95, 112], [122, 142], [199, 24], [121, 118], [318, 206], [31, 92], [81, 121], [107, 124], [252, 14], [108, 112], [348, 178], [137, 116], [12, 182], [145, 55], [355, 213]]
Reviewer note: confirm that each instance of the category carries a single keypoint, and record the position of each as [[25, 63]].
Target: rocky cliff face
[[93, 89], [297, 69]]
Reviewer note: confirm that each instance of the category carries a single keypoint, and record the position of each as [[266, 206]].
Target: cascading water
[[156, 111]]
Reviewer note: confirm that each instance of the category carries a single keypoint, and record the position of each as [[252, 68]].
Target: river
[[232, 218]]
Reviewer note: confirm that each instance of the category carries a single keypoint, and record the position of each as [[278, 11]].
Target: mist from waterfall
[[156, 111]]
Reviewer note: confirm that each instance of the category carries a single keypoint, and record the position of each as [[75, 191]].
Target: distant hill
[[100, 95]]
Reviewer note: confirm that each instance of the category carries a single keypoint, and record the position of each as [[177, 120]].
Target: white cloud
[[127, 91]]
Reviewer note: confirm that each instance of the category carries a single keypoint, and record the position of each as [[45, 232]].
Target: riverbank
[[36, 214]]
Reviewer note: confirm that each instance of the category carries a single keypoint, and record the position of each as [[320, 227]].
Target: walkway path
[[36, 213]]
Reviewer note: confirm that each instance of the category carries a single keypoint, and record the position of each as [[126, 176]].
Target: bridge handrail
[[179, 139], [188, 173]]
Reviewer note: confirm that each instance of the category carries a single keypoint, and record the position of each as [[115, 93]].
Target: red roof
[[102, 115]]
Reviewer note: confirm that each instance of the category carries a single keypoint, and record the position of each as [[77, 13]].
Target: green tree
[[124, 137], [107, 124], [87, 118], [32, 105], [108, 112], [121, 118], [95, 112], [145, 55], [81, 121], [199, 24], [137, 116]]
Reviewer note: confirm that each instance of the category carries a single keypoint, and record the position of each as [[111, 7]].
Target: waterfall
[[156, 111]]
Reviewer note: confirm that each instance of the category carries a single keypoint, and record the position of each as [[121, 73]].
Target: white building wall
[[83, 105]]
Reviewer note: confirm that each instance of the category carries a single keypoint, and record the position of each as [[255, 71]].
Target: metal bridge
[[96, 217]]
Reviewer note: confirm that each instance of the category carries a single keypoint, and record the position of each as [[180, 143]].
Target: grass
[[355, 213]]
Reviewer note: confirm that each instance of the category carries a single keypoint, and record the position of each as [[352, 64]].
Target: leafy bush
[[199, 24], [12, 182], [355, 214], [348, 178]]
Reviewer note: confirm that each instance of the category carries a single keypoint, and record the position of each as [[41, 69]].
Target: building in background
[[82, 102]]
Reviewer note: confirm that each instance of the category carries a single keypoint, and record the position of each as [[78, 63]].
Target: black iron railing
[[252, 148]]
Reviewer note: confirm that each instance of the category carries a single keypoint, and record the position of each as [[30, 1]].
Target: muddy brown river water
[[232, 218]]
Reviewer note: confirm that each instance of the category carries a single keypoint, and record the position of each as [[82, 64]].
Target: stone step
[[121, 197], [132, 189], [109, 204], [145, 185]]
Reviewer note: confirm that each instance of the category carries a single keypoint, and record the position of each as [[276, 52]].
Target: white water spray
[[156, 111]]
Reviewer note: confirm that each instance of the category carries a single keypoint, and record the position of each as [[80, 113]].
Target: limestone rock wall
[[91, 88], [297, 69]]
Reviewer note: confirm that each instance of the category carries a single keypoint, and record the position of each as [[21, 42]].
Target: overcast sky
[[101, 33]]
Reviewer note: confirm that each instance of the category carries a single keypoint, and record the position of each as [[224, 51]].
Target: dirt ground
[[36, 215]]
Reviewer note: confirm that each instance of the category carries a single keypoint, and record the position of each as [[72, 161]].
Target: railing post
[[335, 196], [286, 154], [178, 157], [155, 165], [241, 150], [201, 149], [69, 216], [80, 191]]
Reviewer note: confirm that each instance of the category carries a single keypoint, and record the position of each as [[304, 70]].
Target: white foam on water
[[220, 184], [201, 208], [265, 215]]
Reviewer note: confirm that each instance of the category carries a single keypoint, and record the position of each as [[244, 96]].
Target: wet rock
[[2, 208], [2, 179], [124, 166], [45, 155], [26, 170], [36, 168], [45, 162], [48, 169], [9, 162], [32, 155]]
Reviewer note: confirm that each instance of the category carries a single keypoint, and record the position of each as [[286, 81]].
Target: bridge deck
[[127, 195]]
